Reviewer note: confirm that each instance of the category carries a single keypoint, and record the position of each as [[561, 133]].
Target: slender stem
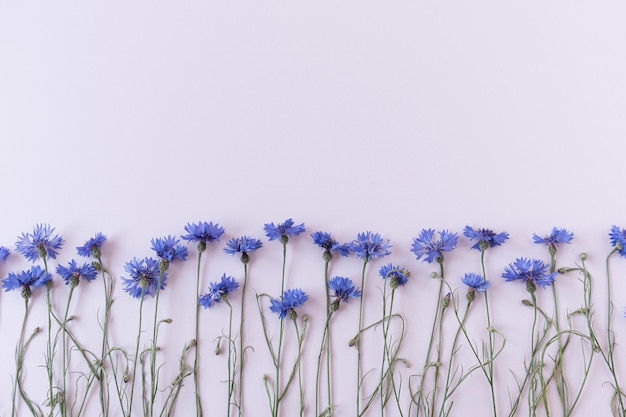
[[107, 281], [64, 353], [277, 395], [136, 357], [358, 341], [19, 363], [611, 339], [491, 334], [328, 341], [153, 350], [49, 347], [230, 359], [561, 383], [324, 347], [385, 351], [242, 352], [197, 336]]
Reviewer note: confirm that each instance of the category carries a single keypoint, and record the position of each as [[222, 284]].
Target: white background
[[134, 118]]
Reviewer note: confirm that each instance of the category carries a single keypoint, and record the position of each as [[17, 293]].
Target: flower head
[[39, 244], [368, 246], [486, 238], [243, 245], [398, 276], [35, 277], [286, 305], [143, 277], [475, 281], [618, 239], [283, 231], [342, 289], [202, 233], [326, 242], [93, 246], [168, 249], [532, 272], [431, 249], [218, 291], [555, 238], [4, 253], [72, 273]]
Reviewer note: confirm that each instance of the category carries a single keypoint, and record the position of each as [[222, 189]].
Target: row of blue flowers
[[113, 371]]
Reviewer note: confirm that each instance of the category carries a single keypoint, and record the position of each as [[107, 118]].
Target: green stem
[[136, 357], [154, 386], [560, 381], [358, 341], [64, 353], [49, 346], [197, 336], [242, 352], [230, 359], [491, 334], [611, 341], [324, 347], [107, 281]]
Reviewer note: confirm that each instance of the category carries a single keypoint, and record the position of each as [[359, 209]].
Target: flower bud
[[201, 246], [393, 283], [163, 265], [284, 239], [96, 265], [293, 314], [74, 280], [327, 256], [334, 306], [26, 292], [96, 252], [446, 301], [471, 294], [483, 245], [530, 286], [527, 303], [245, 258], [583, 256]]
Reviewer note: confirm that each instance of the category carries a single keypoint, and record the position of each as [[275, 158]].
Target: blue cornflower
[[283, 231], [4, 253], [399, 276], [287, 304], [326, 242], [39, 244], [35, 277], [144, 275], [368, 246], [555, 238], [218, 291], [432, 250], [475, 281], [203, 233], [532, 272], [93, 246], [618, 239], [243, 245], [486, 238], [342, 289], [72, 273], [168, 249]]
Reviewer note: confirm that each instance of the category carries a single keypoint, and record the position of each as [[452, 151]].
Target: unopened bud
[[527, 303], [446, 301]]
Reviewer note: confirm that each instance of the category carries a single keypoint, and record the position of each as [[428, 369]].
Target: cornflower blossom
[[342, 289], [218, 291], [168, 249], [618, 239], [326, 242], [92, 247], [39, 244], [243, 245], [143, 277], [4, 254], [398, 276], [369, 246], [485, 238], [203, 233], [286, 305], [554, 239], [72, 273], [35, 277], [425, 245], [283, 231], [476, 282], [532, 272]]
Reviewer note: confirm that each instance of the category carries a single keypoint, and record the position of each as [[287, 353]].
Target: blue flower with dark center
[[398, 276], [243, 244], [425, 245], [4, 254], [168, 248], [286, 305], [531, 271], [618, 239], [283, 231], [93, 246], [485, 238], [554, 239], [35, 277], [39, 244], [218, 291], [202, 233], [326, 242], [72, 273], [143, 276], [475, 281], [369, 246], [343, 289]]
